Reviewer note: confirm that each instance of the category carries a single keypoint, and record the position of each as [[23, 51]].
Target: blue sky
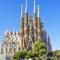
[[49, 12]]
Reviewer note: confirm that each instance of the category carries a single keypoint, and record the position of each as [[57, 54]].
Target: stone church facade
[[31, 30]]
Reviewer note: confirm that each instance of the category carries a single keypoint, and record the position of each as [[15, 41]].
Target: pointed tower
[[22, 27], [22, 21], [26, 18], [30, 32], [35, 22], [26, 27], [39, 24]]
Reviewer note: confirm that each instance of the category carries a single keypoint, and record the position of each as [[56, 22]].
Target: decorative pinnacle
[[8, 30], [38, 11], [22, 10], [13, 31], [34, 6], [26, 7]]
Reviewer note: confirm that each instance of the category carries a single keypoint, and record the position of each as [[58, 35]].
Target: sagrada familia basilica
[[31, 30]]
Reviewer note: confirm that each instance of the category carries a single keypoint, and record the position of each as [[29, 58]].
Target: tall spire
[[38, 11], [22, 10], [34, 6], [26, 6]]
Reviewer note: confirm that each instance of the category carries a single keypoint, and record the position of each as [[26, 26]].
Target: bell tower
[[26, 37], [35, 22], [22, 27], [38, 24], [22, 21]]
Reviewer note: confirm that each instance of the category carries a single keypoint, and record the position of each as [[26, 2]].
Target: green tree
[[20, 54], [57, 53], [16, 56], [39, 47]]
